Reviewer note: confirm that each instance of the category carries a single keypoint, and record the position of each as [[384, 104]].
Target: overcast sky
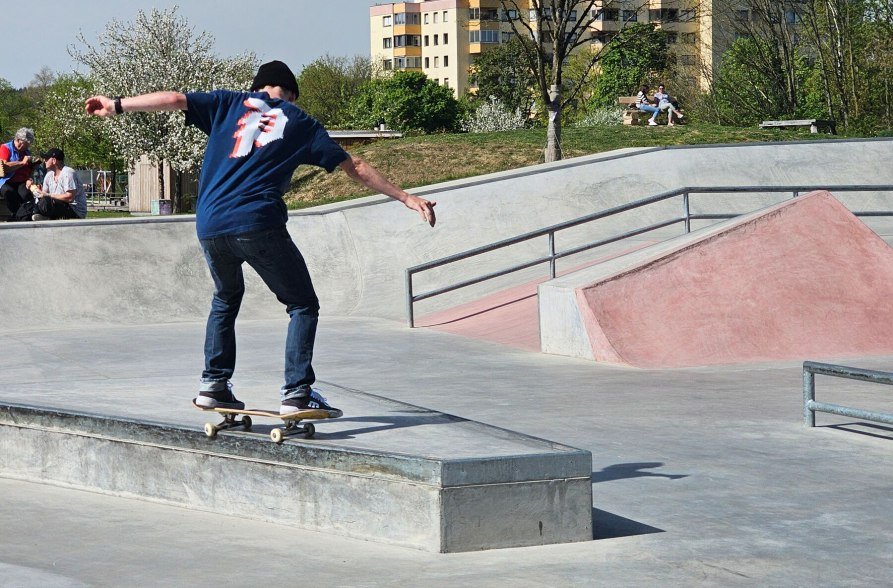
[[38, 33]]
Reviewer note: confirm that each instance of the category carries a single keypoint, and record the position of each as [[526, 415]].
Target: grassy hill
[[423, 160]]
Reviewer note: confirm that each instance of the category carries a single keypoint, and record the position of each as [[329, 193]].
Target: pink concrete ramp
[[803, 279], [508, 317]]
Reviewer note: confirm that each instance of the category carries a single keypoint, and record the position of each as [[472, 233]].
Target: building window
[[437, 81], [427, 63], [446, 82], [387, 65], [663, 15], [386, 43], [687, 60], [445, 16], [426, 40], [446, 60], [510, 15], [436, 14], [483, 36], [407, 41], [791, 17], [436, 37], [386, 21], [742, 15], [672, 38], [446, 38], [437, 62], [408, 63], [688, 15], [426, 18], [572, 17], [689, 38], [507, 36], [407, 18], [630, 16], [606, 14]]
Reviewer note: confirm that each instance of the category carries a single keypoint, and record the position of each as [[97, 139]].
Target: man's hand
[[362, 172], [425, 208], [100, 106]]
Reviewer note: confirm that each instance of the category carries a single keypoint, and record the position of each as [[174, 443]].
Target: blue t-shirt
[[255, 143]]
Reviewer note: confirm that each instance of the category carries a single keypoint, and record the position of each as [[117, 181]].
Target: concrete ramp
[[805, 278]]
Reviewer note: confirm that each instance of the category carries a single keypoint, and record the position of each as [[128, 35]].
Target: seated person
[[19, 166], [62, 195], [665, 102], [643, 103]]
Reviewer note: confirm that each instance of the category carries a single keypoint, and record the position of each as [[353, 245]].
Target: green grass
[[98, 214], [429, 159]]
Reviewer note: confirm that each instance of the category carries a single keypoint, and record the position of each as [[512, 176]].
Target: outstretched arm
[[154, 102], [365, 174]]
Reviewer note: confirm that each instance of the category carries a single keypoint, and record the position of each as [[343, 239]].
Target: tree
[[504, 73], [557, 27], [835, 28], [639, 52], [159, 51], [328, 84], [64, 124], [407, 101], [743, 91]]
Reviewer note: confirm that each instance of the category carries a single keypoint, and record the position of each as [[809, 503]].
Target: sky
[[293, 31]]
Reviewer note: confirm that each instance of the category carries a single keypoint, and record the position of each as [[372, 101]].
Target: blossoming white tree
[[158, 51]]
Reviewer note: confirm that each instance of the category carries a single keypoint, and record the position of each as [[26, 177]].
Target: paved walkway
[[701, 476]]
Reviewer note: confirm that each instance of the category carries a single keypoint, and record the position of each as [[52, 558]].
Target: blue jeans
[[276, 259], [654, 110]]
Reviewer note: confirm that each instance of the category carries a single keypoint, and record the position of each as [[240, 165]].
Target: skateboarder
[[256, 140]]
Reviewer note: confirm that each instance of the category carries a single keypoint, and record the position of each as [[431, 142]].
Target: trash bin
[[162, 207]]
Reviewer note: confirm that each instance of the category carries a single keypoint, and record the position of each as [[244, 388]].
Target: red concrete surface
[[509, 317], [802, 280]]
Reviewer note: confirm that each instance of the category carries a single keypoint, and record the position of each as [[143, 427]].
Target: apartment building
[[442, 38]]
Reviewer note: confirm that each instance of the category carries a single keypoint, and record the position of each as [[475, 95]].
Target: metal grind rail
[[811, 406], [553, 255]]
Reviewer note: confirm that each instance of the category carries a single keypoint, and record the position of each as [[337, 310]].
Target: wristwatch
[[118, 108]]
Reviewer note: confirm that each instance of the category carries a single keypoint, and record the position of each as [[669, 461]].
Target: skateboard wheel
[[309, 430], [210, 430], [276, 435], [246, 422]]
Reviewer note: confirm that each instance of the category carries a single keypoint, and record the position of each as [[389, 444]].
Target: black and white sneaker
[[313, 401], [218, 395]]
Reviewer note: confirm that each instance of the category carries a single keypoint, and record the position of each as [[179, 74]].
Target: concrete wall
[[152, 270]]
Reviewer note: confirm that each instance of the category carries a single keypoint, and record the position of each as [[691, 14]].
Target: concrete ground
[[701, 476]]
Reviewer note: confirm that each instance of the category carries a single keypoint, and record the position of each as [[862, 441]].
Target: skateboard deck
[[277, 434]]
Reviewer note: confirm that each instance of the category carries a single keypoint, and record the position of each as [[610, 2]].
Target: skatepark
[[464, 457]]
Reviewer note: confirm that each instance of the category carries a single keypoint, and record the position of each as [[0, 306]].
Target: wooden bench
[[815, 125], [632, 115]]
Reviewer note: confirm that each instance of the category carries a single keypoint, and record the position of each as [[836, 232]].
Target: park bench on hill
[[632, 114], [815, 125]]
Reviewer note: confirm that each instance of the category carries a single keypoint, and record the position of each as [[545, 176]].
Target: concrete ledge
[[515, 491]]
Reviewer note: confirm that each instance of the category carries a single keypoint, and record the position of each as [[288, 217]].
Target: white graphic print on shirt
[[258, 127]]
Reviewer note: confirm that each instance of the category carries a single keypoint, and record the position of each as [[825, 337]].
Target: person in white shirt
[[62, 195], [665, 102]]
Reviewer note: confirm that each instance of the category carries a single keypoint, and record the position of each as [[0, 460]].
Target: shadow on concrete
[[876, 431], [623, 471], [383, 423], [606, 525], [440, 322]]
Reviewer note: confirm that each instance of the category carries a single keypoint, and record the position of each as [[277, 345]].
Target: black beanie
[[275, 73]]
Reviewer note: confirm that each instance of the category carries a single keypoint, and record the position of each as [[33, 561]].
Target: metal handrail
[[811, 406], [550, 231]]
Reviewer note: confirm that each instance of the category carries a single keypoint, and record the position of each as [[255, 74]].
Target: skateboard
[[278, 434]]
